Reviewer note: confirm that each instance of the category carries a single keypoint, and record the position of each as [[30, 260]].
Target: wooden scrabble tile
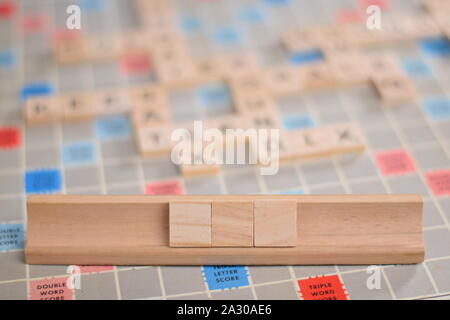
[[166, 38], [225, 122], [160, 23], [349, 69], [42, 110], [271, 147], [148, 116], [79, 106], [395, 89], [435, 6], [169, 53], [442, 21], [238, 63], [209, 70], [179, 73], [338, 48], [268, 119], [111, 101], [150, 9], [151, 96], [251, 82], [412, 27], [190, 224], [346, 137], [329, 36], [283, 149], [102, 48], [317, 76], [245, 104], [299, 39], [360, 35], [154, 140], [71, 51], [133, 41], [282, 80], [381, 66], [205, 161], [275, 223], [310, 143], [232, 223], [199, 170]]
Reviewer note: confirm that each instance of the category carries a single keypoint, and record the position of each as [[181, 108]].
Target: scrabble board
[[407, 144]]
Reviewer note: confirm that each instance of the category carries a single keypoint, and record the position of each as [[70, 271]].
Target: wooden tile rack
[[134, 230]]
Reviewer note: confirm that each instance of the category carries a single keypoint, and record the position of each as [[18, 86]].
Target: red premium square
[[322, 288], [439, 182], [164, 187], [394, 162], [9, 137], [7, 9], [135, 64], [50, 289]]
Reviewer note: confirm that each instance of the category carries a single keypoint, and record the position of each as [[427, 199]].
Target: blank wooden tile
[[275, 223], [190, 224], [42, 110], [232, 224]]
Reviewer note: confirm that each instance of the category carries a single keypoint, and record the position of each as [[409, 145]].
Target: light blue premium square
[[228, 36], [415, 67], [437, 108], [11, 236], [305, 57], [297, 121], [213, 95], [78, 154], [225, 277], [112, 127]]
